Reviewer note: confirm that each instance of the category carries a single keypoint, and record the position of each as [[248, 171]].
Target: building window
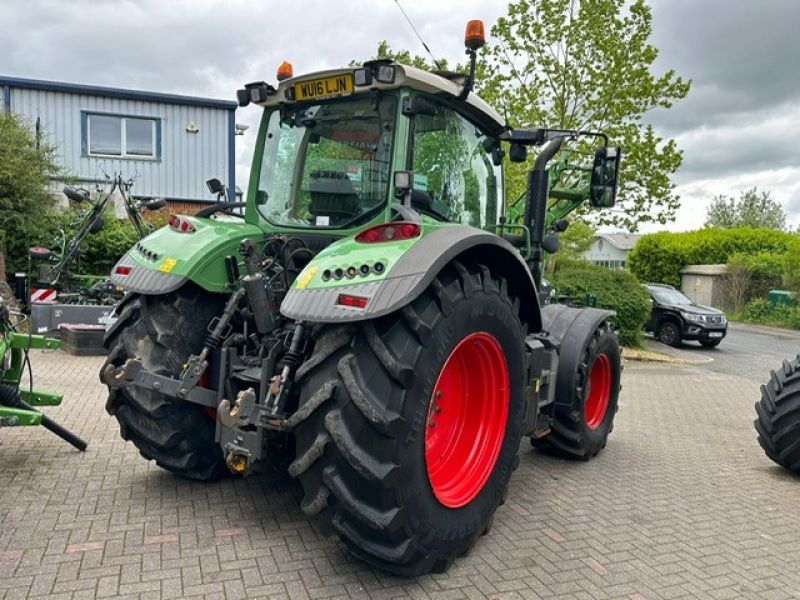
[[131, 137]]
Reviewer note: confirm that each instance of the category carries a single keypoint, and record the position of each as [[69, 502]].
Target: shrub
[[761, 312], [660, 257], [615, 290]]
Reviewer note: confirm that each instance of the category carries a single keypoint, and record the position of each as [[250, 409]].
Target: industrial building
[[170, 144]]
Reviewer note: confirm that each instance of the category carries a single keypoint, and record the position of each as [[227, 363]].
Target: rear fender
[[413, 272], [166, 259], [571, 328]]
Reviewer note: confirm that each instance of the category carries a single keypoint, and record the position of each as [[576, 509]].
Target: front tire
[[778, 416], [669, 333], [163, 331], [375, 395], [581, 428]]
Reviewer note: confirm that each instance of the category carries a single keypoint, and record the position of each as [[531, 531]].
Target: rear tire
[[778, 416], [163, 331], [669, 333], [362, 427], [580, 431]]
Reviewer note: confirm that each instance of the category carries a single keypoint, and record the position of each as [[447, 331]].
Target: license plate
[[324, 88], [715, 334]]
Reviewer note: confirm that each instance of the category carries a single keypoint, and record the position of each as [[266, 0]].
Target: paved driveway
[[748, 350], [682, 503]]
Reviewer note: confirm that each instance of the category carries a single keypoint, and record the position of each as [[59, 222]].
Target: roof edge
[[109, 92]]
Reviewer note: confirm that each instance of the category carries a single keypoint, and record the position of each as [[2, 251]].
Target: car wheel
[[669, 334]]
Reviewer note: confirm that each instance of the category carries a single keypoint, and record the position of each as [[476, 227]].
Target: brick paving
[[681, 504]]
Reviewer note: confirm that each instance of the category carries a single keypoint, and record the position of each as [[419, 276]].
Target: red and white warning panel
[[44, 295]]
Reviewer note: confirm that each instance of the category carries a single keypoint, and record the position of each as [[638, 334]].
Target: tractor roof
[[444, 84]]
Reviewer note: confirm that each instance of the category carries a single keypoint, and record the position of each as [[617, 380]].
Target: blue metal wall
[[185, 160]]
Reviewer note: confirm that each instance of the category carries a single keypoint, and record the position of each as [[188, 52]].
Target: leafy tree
[[26, 166], [587, 64], [752, 209], [584, 64], [576, 239]]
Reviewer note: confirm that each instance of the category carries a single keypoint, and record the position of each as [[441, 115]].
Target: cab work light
[[362, 77], [385, 74], [389, 232]]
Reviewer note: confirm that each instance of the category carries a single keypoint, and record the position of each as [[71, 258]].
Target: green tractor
[[373, 318]]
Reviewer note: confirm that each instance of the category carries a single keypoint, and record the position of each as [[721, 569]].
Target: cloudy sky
[[739, 127]]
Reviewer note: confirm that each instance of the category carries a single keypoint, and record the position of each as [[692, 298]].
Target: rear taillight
[[389, 232], [352, 301], [124, 271], [181, 224]]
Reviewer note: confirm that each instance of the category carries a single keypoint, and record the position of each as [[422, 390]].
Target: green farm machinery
[[19, 406], [374, 316]]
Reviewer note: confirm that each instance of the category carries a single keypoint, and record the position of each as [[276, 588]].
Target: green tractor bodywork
[[376, 289]]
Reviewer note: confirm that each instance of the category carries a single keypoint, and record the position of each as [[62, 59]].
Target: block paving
[[681, 504]]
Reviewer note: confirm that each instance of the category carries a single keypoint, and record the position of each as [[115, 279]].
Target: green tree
[[26, 167], [752, 209], [587, 64], [576, 239]]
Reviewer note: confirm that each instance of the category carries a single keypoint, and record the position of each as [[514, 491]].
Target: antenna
[[424, 45]]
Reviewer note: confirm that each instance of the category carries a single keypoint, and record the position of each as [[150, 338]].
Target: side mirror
[[550, 244], [215, 186], [605, 177]]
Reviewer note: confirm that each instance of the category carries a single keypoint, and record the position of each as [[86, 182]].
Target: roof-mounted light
[[474, 37], [362, 77], [258, 91], [385, 74], [285, 71]]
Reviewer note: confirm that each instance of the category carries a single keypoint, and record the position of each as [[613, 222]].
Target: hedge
[[659, 257], [614, 289]]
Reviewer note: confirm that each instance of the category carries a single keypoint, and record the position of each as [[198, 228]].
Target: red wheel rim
[[466, 421], [596, 405]]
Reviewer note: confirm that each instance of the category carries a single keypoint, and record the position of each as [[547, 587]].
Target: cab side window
[[453, 167]]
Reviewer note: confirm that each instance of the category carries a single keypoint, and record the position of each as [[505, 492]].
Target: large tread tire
[[778, 416], [570, 435], [362, 416], [163, 331]]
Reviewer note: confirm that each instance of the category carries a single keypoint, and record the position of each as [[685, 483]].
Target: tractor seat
[[39, 252], [332, 195]]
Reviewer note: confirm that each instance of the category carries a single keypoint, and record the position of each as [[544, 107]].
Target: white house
[[611, 249]]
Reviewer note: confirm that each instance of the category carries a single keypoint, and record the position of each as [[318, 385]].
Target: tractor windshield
[[327, 165]]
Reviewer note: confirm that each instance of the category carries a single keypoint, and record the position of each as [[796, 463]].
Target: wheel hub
[[599, 393], [466, 421]]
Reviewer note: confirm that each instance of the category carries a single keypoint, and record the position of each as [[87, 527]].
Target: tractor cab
[[333, 141]]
